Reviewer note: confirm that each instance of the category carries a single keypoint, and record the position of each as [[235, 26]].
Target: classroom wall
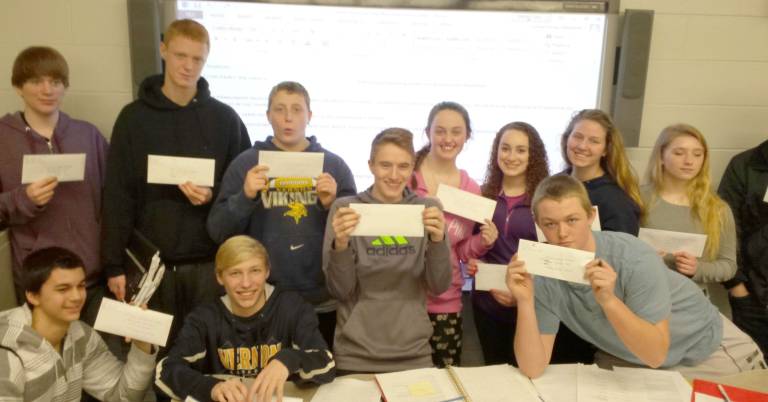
[[708, 67]]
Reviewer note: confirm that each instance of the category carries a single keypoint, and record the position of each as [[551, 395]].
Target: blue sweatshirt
[[287, 218]]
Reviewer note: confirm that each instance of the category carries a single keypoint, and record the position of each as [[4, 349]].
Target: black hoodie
[[153, 124], [215, 341]]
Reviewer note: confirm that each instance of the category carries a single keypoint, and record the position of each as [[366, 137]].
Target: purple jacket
[[72, 218], [516, 225]]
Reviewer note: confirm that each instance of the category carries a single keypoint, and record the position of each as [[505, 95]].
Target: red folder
[[736, 394]]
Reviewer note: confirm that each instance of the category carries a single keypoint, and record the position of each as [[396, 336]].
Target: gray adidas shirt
[[381, 285]]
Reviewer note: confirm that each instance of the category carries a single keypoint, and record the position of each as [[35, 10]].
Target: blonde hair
[[706, 206], [559, 187], [615, 162], [238, 249], [189, 29]]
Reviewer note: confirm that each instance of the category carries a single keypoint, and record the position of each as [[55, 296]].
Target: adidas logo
[[390, 245]]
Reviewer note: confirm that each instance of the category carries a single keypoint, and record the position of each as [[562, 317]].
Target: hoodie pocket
[[386, 329]]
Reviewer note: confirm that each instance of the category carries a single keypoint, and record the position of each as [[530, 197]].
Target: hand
[[40, 192], [344, 222], [232, 390], [489, 233], [686, 263], [197, 195], [434, 223], [739, 291], [143, 346], [519, 281], [116, 285], [503, 297], [326, 189], [472, 267], [602, 278], [269, 382], [256, 180]]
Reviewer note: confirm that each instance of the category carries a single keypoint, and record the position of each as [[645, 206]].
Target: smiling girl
[[517, 164], [679, 197], [449, 129]]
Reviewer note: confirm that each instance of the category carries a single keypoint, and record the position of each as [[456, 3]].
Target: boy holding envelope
[[174, 115], [46, 354], [634, 309], [287, 214], [47, 212], [380, 279]]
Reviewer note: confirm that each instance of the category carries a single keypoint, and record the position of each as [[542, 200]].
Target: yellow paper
[[421, 388]]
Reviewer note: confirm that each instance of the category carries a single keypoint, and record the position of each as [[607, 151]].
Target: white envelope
[[292, 164], [177, 170], [491, 276], [671, 241], [64, 167], [389, 220], [124, 319], [555, 262], [465, 204], [595, 226]]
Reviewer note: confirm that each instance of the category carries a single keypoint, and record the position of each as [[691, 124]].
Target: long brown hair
[[538, 163], [615, 162], [706, 206]]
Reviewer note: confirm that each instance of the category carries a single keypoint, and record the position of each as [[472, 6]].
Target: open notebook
[[499, 383]]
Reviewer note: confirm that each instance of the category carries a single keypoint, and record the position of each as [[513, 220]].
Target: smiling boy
[[635, 310], [255, 331], [287, 215], [46, 354]]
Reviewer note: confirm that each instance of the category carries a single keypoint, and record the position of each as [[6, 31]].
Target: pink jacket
[[463, 246]]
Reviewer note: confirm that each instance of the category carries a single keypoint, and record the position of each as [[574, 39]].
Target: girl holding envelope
[[679, 197], [593, 152], [381, 281], [449, 129], [518, 163]]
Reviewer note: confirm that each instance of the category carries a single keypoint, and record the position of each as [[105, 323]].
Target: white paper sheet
[[292, 164], [491, 276], [348, 389], [595, 226], [126, 320], [465, 204], [177, 170], [558, 383], [629, 385], [556, 262], [64, 167], [765, 197], [660, 385], [389, 220], [701, 397], [670, 241], [497, 383]]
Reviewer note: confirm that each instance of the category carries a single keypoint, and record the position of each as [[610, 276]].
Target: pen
[[541, 398], [458, 384], [723, 393]]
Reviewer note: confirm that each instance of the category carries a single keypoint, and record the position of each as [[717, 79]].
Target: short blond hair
[[559, 187], [189, 29], [238, 249]]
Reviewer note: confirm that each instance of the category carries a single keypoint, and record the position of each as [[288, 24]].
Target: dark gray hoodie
[[381, 285]]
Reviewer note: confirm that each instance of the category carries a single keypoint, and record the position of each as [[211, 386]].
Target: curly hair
[[538, 163]]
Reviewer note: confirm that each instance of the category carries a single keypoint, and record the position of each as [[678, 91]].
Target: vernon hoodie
[[153, 124], [288, 219], [381, 284], [215, 341], [72, 218]]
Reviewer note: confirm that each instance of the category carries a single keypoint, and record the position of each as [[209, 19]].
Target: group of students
[[264, 277]]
